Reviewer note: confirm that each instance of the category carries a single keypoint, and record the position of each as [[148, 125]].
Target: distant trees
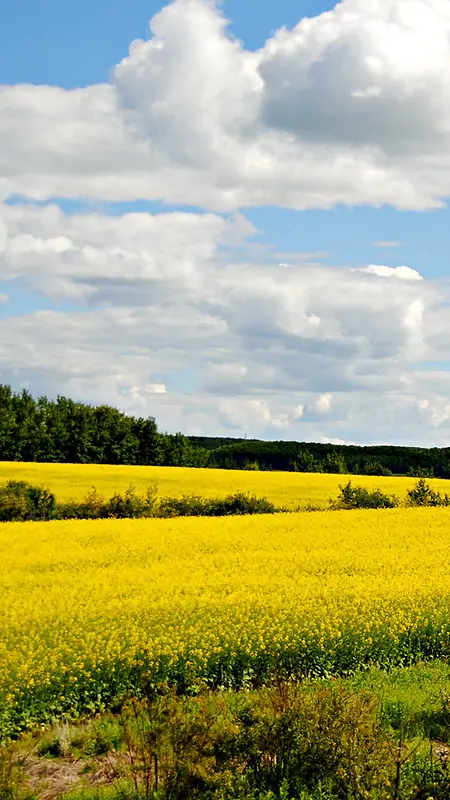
[[66, 431], [305, 462], [376, 460]]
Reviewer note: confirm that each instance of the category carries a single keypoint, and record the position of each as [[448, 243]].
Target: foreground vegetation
[[375, 735], [91, 610]]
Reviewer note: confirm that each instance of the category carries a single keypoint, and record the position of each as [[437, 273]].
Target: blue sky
[[77, 46]]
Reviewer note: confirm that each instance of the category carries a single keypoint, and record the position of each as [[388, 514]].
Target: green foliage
[[50, 747], [102, 737], [329, 738], [21, 501], [281, 742], [235, 504], [12, 775], [305, 462], [131, 504], [313, 457], [66, 431], [335, 464], [351, 497], [352, 739], [376, 468], [422, 494]]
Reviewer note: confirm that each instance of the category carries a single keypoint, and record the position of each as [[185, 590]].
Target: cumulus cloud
[[323, 404], [383, 271], [366, 74], [94, 256], [153, 312], [163, 324], [192, 117]]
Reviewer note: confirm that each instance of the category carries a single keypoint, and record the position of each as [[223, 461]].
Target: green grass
[[412, 704], [416, 698]]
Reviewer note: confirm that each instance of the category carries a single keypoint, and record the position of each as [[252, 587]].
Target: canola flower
[[92, 609], [287, 489]]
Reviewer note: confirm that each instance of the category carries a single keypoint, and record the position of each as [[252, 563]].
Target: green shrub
[[186, 506], [50, 747], [131, 505], [376, 468], [423, 495], [330, 738], [22, 501], [282, 742], [239, 503], [94, 506], [12, 776], [359, 497], [194, 506], [252, 466]]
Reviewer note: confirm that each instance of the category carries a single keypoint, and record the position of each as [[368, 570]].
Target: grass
[[351, 736], [288, 489], [417, 697]]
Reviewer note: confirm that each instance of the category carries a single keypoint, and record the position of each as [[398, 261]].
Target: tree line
[[66, 431], [337, 459]]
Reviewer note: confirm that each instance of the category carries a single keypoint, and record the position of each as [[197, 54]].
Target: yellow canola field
[[90, 609], [289, 489]]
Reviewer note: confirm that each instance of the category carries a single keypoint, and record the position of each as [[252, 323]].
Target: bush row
[[21, 502], [422, 494]]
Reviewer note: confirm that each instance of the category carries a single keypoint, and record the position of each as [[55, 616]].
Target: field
[[288, 489], [91, 609]]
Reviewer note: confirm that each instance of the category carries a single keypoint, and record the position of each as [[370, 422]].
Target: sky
[[230, 216]]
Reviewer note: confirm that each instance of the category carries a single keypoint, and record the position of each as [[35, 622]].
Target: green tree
[[150, 450], [335, 463], [305, 462]]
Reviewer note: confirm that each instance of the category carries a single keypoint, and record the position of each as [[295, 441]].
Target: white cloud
[[352, 106], [156, 388], [166, 326], [323, 403], [192, 117], [244, 414], [298, 412], [405, 273], [149, 388], [4, 298], [368, 74], [94, 256], [333, 440]]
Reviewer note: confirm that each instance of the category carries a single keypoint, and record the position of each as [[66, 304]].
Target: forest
[[66, 431]]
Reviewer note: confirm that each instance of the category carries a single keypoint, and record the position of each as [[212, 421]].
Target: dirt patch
[[53, 778]]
